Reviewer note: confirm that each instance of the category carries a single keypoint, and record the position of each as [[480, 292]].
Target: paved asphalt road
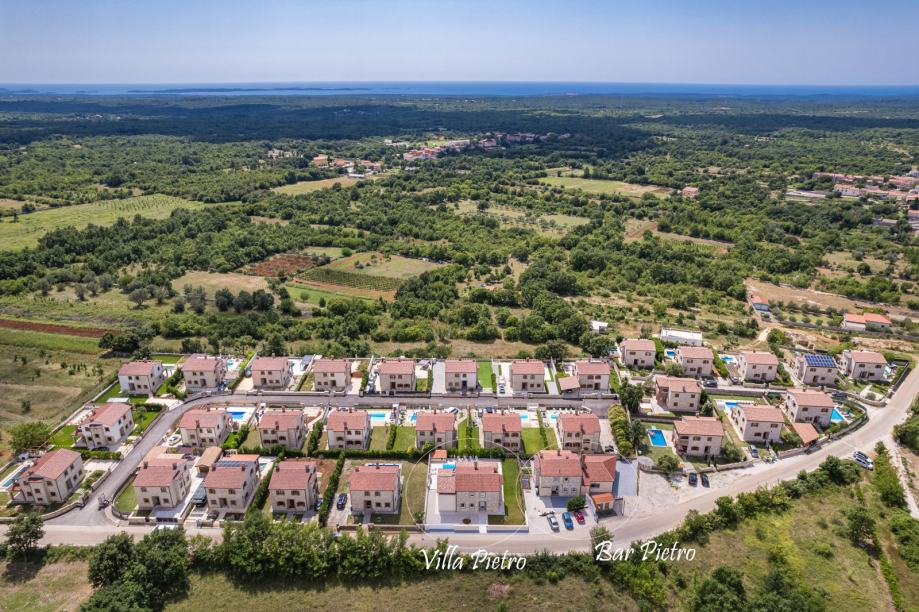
[[89, 525]]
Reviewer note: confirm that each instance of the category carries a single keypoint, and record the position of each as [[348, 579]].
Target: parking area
[[439, 382], [538, 507]]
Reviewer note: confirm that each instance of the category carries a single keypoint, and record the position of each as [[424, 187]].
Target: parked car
[[566, 518], [318, 504], [704, 478], [609, 449], [342, 501], [579, 517], [754, 452], [710, 383], [451, 409], [553, 522], [693, 478], [863, 460], [489, 409]]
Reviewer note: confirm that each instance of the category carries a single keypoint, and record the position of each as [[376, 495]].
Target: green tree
[[110, 559], [576, 503], [667, 463], [30, 435], [860, 525], [630, 396], [723, 590], [24, 533]]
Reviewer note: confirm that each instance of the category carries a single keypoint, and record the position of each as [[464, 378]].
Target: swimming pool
[[233, 364], [448, 466], [414, 417], [524, 417], [6, 484], [657, 437], [727, 358], [378, 417], [238, 415], [836, 416], [670, 353]]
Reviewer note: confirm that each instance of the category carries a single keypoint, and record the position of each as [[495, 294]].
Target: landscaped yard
[[467, 436], [486, 375], [63, 437], [142, 420], [378, 437], [414, 490], [127, 501], [532, 440], [405, 437], [513, 496]]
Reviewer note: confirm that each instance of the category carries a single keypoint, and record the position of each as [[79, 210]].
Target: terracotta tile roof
[[396, 366], [203, 418], [470, 478], [867, 357], [807, 432], [201, 363], [568, 383], [431, 421], [460, 366], [340, 420], [159, 472], [762, 413], [558, 463], [137, 368], [811, 397], [695, 352], [592, 368], [281, 419], [598, 468], [678, 385], [51, 465], [758, 300], [699, 426], [635, 344], [586, 423], [873, 317], [527, 366], [760, 357], [107, 414], [439, 454], [332, 366], [500, 422], [603, 498], [292, 474], [210, 456], [270, 364], [225, 476], [375, 478]]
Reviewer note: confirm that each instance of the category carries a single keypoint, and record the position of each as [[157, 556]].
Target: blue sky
[[822, 42]]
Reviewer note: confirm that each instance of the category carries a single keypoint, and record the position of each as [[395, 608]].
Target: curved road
[[89, 525]]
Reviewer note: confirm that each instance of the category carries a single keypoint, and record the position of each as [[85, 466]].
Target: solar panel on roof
[[820, 361]]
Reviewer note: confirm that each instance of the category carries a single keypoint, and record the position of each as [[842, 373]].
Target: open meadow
[[604, 186], [308, 186], [26, 231]]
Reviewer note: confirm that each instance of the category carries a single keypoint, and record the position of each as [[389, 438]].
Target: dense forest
[[510, 272]]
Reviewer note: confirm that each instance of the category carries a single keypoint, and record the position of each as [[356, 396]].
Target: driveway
[[439, 383], [626, 484]]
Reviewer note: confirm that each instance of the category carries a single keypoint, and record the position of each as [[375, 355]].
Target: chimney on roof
[[145, 463], [475, 464]]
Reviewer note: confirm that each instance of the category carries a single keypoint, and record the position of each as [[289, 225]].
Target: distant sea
[[450, 88]]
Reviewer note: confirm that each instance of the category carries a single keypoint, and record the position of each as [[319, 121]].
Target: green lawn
[[513, 496], [63, 437], [142, 420], [378, 437], [532, 440], [468, 437], [312, 295], [127, 501], [405, 437], [485, 375], [167, 359], [48, 341]]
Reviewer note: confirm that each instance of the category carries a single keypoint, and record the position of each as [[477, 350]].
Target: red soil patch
[[50, 328], [287, 264]]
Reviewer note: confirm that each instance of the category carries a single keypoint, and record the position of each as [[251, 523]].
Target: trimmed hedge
[[261, 492], [619, 423], [312, 443], [328, 498]]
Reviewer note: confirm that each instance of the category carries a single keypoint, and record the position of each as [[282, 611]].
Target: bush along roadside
[[329, 497], [261, 493]]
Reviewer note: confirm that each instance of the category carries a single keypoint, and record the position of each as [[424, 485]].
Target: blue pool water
[[377, 416], [730, 404], [836, 416], [657, 437], [237, 415], [727, 358], [449, 466], [670, 353], [414, 416], [553, 417], [6, 484], [524, 417]]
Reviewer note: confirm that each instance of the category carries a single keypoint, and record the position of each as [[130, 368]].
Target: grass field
[[63, 437], [467, 436], [54, 382], [603, 186], [308, 186], [49, 342], [127, 501], [513, 496], [31, 227], [485, 373], [546, 224], [310, 294], [30, 587], [378, 264], [378, 437], [212, 281], [532, 441], [405, 437]]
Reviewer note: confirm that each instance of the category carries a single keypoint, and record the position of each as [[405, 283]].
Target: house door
[[482, 506], [368, 504]]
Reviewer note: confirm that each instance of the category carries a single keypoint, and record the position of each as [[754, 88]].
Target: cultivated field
[[310, 292], [29, 228], [378, 264], [604, 186], [308, 186], [287, 264], [636, 228]]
